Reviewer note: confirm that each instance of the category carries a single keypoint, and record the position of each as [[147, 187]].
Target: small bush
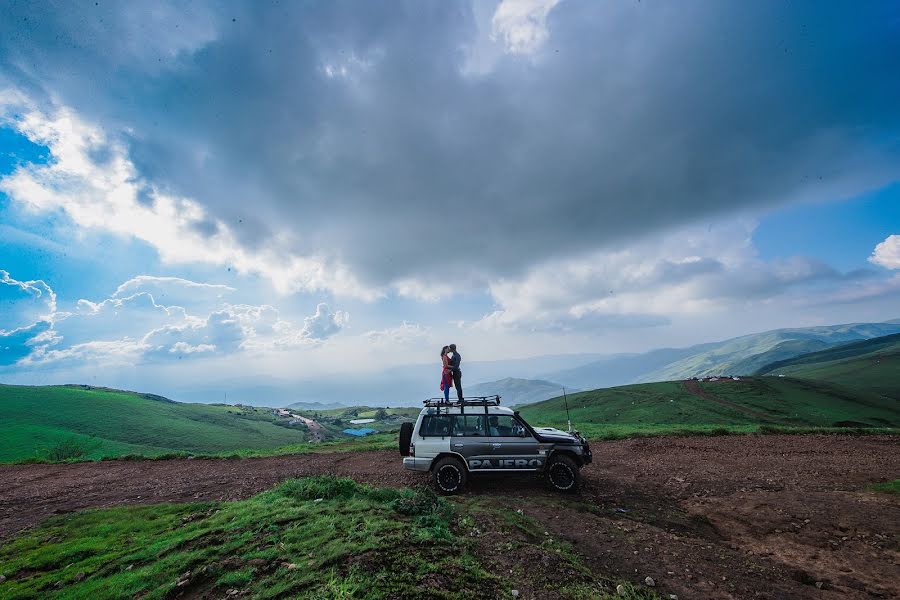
[[327, 487], [67, 450], [431, 512], [420, 501]]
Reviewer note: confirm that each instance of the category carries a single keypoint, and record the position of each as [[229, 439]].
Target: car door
[[512, 445], [469, 438]]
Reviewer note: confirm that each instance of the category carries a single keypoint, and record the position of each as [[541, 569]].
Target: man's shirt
[[455, 359]]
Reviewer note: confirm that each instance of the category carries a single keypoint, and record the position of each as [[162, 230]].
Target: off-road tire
[[562, 474], [406, 431], [449, 476]]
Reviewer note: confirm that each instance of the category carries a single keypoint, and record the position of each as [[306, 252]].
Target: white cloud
[[108, 194], [887, 253], [24, 303], [522, 24], [324, 323], [689, 272], [133, 326], [404, 334], [221, 333]]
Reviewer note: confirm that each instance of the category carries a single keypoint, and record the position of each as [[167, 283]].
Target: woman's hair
[[444, 350]]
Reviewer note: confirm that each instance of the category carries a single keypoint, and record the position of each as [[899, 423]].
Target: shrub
[[420, 501], [327, 487], [67, 450]]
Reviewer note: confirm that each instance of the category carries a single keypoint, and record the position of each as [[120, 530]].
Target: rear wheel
[[562, 474], [406, 430], [449, 476]]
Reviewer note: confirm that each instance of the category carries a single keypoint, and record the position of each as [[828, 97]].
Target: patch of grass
[[320, 537], [889, 487]]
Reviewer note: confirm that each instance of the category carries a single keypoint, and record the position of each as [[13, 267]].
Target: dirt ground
[[708, 517]]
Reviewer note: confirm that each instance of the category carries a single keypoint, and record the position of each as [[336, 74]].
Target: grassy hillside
[[871, 366], [102, 422], [734, 404]]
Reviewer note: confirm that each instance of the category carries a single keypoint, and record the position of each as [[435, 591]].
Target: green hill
[[870, 365], [100, 422], [696, 405]]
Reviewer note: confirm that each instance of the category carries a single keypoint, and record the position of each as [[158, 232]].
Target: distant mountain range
[[743, 355], [519, 391], [408, 385]]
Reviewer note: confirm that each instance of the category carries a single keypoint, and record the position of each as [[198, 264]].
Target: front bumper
[[411, 463], [586, 455]]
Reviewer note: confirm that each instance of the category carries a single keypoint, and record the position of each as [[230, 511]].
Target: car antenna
[[568, 418]]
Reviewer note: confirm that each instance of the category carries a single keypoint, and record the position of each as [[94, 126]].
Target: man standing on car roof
[[455, 359]]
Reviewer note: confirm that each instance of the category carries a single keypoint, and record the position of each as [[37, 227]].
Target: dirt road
[[719, 517]]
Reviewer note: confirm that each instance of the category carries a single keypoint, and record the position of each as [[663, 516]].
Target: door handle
[[496, 445], [457, 445]]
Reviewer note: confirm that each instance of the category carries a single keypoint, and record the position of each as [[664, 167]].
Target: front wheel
[[449, 476], [562, 474]]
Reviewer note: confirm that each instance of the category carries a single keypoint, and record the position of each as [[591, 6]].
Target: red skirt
[[446, 380]]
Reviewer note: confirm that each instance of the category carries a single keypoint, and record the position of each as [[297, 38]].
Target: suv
[[455, 439]]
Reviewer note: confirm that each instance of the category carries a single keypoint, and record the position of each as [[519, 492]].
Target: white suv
[[454, 439]]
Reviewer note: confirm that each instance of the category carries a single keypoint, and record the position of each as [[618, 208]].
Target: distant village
[[711, 378]]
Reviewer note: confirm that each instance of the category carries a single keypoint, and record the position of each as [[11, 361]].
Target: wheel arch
[[566, 452], [443, 455]]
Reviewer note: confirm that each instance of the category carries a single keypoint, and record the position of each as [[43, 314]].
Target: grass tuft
[[888, 487]]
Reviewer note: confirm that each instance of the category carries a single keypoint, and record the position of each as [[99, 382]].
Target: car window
[[504, 426], [468, 425], [438, 425]]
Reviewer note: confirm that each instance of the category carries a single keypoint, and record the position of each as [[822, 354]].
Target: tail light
[[412, 449]]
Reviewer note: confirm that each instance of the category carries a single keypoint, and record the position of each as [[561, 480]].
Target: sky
[[192, 192]]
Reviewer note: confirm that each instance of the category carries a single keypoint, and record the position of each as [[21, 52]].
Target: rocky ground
[[714, 517]]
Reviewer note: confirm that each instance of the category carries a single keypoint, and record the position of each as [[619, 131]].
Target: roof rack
[[469, 401]]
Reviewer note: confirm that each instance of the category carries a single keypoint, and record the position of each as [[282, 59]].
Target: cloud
[[324, 323], [522, 24], [687, 272], [220, 333], [24, 303], [403, 334], [887, 253], [104, 191], [17, 344], [402, 171], [133, 327]]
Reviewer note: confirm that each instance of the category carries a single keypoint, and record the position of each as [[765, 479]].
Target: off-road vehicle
[[455, 439]]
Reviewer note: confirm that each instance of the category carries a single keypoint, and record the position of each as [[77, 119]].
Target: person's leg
[[457, 381], [446, 390]]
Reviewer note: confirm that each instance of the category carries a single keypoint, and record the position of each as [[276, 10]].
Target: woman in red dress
[[446, 373]]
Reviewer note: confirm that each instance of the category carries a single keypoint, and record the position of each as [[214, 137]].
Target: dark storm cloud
[[367, 131]]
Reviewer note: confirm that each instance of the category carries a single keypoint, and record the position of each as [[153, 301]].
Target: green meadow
[[59, 421]]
